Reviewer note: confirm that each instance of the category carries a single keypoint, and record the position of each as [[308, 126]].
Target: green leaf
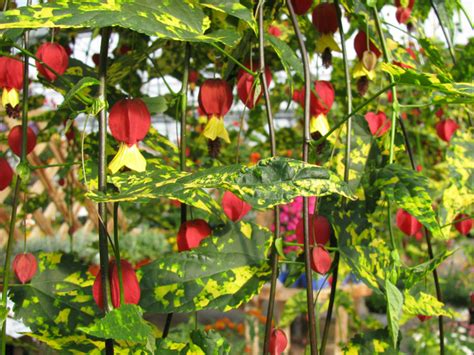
[[211, 342], [424, 304], [78, 88], [233, 8], [287, 56], [155, 104], [432, 53], [409, 190], [371, 342], [295, 306], [228, 269], [394, 310]]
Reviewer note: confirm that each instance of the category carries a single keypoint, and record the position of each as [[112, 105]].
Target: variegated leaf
[[424, 304]]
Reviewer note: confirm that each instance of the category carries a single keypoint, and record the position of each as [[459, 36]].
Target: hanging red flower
[[319, 230], [55, 56], [320, 260], [11, 81], [234, 207], [274, 31], [6, 174], [325, 21], [465, 223], [129, 122], [14, 140], [364, 69], [191, 233], [246, 87], [24, 267], [403, 13], [131, 287], [407, 223], [360, 45], [278, 342], [301, 6], [446, 128], [378, 122]]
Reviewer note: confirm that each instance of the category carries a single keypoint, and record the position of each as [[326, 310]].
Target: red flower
[[131, 287], [439, 113], [325, 18], [274, 31], [24, 267], [6, 174], [446, 128], [55, 56], [378, 122], [215, 97], [419, 168], [464, 226], [422, 317], [191, 233], [411, 3], [193, 76], [11, 73], [407, 223], [96, 59], [301, 6], [246, 86], [360, 45], [234, 207], [320, 260], [14, 140], [255, 157], [319, 230], [403, 15], [278, 342], [320, 103]]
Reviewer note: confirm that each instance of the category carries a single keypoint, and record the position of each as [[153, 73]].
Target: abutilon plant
[[278, 342], [378, 122], [54, 56], [364, 70], [25, 267], [407, 223], [301, 6], [11, 81], [464, 224], [325, 21], [191, 233], [6, 174], [129, 123], [247, 88], [320, 260], [15, 136], [234, 207], [446, 129], [215, 100]]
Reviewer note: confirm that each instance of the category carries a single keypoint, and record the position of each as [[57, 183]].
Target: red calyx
[[11, 73], [14, 140], [246, 88], [378, 122], [407, 223], [191, 233], [320, 260], [215, 97], [234, 207], [131, 287], [55, 56], [6, 174], [319, 230], [24, 267], [464, 226], [301, 6], [360, 45], [403, 15], [129, 121], [446, 128], [278, 342], [325, 18], [422, 317], [320, 103]]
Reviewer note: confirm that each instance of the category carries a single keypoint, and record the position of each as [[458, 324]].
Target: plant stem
[[234, 60], [117, 252], [103, 243], [306, 140], [445, 34]]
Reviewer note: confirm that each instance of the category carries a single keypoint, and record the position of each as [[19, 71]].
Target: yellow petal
[[11, 97], [319, 124], [326, 41], [215, 129], [360, 70], [129, 157]]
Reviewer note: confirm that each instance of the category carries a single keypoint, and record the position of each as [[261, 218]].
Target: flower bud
[[319, 230], [24, 267], [278, 342], [234, 207], [407, 223], [320, 260], [15, 137], [464, 226], [446, 128], [191, 233], [55, 56]]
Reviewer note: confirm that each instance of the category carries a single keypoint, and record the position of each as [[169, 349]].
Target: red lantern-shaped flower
[[129, 122], [378, 122], [24, 267], [407, 223], [247, 88], [301, 6], [53, 55], [446, 128], [15, 137], [325, 21], [319, 230], [403, 13], [6, 174], [278, 342], [465, 223], [131, 287], [367, 53], [234, 207], [11, 81], [320, 260], [191, 233]]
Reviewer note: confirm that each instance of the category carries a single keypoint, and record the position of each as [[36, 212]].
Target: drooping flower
[[247, 89], [446, 128], [191, 233], [403, 13], [301, 6], [407, 223], [25, 267], [55, 56], [11, 81], [325, 21], [319, 230], [378, 122], [131, 287], [234, 207], [278, 342], [129, 122], [364, 69], [15, 137], [465, 223], [6, 174], [320, 260]]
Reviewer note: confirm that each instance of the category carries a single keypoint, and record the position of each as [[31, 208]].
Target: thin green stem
[[36, 167], [233, 59]]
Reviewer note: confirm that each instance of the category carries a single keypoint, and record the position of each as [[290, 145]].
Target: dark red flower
[[246, 86], [11, 73], [319, 230], [129, 121], [191, 233], [464, 226], [320, 260], [25, 267], [360, 45], [301, 6], [131, 287], [55, 56], [124, 49], [325, 18], [446, 128], [320, 103], [274, 31], [14, 140], [96, 59], [378, 122], [6, 174], [215, 97], [407, 223], [278, 342], [422, 317], [234, 207]]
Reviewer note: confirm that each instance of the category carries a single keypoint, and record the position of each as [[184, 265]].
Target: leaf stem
[[254, 74]]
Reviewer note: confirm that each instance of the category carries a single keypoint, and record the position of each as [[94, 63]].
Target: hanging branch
[[347, 162], [445, 34], [306, 141]]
